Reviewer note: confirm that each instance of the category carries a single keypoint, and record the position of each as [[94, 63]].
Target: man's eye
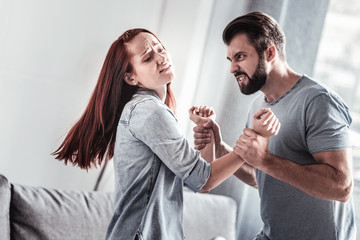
[[240, 56], [161, 49]]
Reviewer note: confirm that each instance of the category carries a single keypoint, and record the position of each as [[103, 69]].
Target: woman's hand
[[265, 123], [204, 118], [201, 114]]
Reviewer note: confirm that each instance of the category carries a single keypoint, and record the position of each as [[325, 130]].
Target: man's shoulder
[[312, 86], [315, 89], [322, 97], [310, 89]]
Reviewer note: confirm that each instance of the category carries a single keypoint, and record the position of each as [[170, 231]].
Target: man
[[304, 173]]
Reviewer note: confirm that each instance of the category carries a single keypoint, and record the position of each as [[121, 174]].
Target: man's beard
[[256, 81]]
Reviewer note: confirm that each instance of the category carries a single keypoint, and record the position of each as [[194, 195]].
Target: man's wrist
[[268, 163]]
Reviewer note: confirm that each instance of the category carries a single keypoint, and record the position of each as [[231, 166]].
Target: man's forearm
[[208, 152], [247, 174], [222, 149], [319, 180]]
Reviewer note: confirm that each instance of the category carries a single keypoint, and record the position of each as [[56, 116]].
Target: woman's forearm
[[247, 174], [208, 152], [221, 169]]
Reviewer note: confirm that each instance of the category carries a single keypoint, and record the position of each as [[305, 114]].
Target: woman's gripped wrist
[[221, 150]]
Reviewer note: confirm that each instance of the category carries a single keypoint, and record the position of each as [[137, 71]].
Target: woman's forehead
[[141, 42]]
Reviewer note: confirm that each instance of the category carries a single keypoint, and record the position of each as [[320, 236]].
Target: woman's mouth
[[165, 68]]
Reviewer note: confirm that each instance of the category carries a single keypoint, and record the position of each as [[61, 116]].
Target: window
[[338, 62]]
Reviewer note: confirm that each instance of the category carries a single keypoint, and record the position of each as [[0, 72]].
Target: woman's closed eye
[[148, 58]]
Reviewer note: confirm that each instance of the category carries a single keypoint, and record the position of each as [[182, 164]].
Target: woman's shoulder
[[148, 103], [143, 105]]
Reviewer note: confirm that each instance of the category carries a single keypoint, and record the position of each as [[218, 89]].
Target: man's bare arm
[[330, 178]]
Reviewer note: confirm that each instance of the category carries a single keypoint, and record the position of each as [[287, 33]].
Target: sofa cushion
[[40, 213], [4, 208], [207, 216]]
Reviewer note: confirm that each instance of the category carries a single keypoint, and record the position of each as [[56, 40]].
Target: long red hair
[[92, 138]]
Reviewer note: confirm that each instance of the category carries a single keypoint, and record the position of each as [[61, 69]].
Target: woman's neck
[[161, 93]]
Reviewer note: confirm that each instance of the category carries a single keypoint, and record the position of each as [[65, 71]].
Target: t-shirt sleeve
[[327, 124], [154, 124]]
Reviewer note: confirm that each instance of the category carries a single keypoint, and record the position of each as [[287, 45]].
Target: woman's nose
[[161, 58]]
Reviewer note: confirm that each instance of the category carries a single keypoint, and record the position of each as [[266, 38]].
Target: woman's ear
[[129, 79]]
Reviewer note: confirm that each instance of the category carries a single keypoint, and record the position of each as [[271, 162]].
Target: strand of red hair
[[92, 138]]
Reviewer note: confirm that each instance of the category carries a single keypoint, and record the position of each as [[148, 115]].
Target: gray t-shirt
[[313, 119]]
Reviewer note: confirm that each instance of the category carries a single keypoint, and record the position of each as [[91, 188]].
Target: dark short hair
[[261, 29]]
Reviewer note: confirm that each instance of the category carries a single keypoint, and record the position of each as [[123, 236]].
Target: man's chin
[[247, 91]]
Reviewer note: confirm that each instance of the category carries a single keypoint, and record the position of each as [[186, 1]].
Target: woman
[[130, 117]]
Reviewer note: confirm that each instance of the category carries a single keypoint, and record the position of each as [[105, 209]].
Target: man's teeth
[[241, 77]]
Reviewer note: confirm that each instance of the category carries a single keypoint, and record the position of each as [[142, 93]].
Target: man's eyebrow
[[236, 54], [233, 56]]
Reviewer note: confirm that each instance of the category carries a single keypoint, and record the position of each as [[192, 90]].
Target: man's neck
[[280, 80]]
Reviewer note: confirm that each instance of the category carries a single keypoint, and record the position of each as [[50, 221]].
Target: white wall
[[51, 53]]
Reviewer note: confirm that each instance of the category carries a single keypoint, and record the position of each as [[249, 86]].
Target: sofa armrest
[[207, 216], [4, 208]]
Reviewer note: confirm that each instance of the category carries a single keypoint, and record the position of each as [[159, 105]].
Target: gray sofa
[[39, 213]]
